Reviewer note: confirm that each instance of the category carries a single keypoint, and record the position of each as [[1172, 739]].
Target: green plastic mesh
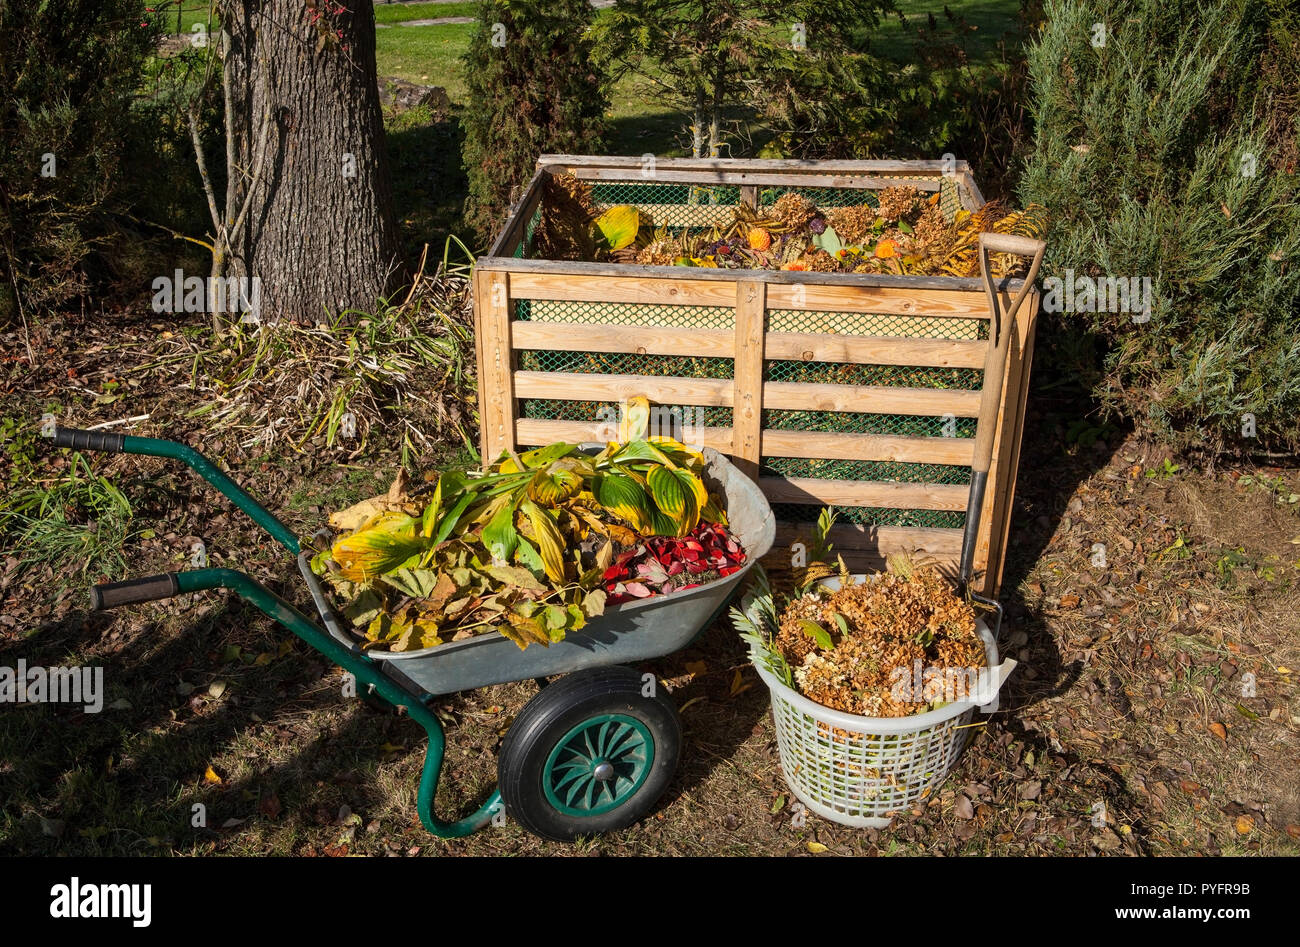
[[845, 373], [847, 422], [553, 310], [871, 516], [595, 411], [877, 324], [606, 363]]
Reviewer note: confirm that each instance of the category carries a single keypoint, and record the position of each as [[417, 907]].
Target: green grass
[[991, 19], [429, 55], [80, 523], [400, 12], [196, 11]]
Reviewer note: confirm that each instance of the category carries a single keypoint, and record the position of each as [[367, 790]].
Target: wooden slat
[[625, 289], [634, 339], [811, 166], [516, 226], [535, 433], [575, 386], [913, 450], [707, 177], [898, 496], [928, 303], [874, 350], [929, 402], [915, 540], [562, 270], [497, 404], [747, 415], [972, 198], [720, 291]]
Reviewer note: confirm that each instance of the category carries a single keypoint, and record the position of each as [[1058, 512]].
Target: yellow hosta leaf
[[550, 542], [635, 419], [618, 226], [383, 544], [626, 499]]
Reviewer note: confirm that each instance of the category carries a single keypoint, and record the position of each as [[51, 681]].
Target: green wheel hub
[[598, 765]]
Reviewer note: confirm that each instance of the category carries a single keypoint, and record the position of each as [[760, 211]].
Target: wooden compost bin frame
[[500, 278]]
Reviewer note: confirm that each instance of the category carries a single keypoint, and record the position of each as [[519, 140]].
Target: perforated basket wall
[[574, 339], [861, 777], [861, 771]]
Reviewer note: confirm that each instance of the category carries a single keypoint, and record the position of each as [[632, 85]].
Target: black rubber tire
[[552, 713]]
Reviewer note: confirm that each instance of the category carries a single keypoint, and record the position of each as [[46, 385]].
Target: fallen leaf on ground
[[1220, 731]]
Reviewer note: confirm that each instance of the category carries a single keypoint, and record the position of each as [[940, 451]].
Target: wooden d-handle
[[1000, 326]]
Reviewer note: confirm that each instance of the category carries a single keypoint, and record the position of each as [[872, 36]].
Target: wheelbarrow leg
[[366, 672]]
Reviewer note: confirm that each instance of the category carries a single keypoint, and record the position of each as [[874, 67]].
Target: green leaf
[[499, 535], [829, 241], [818, 634], [545, 456], [528, 556], [842, 622], [417, 583], [453, 517], [429, 521], [668, 492]]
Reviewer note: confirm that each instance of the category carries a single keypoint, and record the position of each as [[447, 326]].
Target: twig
[[419, 274], [138, 417]]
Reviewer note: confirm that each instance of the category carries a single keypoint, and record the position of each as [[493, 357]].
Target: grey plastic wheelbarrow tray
[[635, 631]]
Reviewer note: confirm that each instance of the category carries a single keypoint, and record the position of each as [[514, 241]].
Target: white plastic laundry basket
[[858, 770]]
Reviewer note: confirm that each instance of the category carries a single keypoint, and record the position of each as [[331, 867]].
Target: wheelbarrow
[[591, 752]]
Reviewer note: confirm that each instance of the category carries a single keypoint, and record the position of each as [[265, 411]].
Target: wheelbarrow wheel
[[590, 753]]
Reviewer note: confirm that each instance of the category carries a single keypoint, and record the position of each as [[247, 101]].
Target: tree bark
[[697, 127], [308, 202]]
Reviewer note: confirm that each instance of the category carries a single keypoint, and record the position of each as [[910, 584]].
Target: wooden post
[[747, 403], [497, 407], [749, 196]]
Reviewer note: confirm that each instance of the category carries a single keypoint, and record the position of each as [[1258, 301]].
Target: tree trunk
[[305, 143], [715, 110], [697, 127]]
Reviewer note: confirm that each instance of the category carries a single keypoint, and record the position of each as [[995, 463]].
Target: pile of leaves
[[904, 233], [880, 648], [534, 546]]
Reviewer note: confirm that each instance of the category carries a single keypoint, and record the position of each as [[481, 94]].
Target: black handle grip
[[87, 440], [150, 589]]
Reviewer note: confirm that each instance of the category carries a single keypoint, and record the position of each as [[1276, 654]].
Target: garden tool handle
[[1000, 331], [149, 589], [87, 440]]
